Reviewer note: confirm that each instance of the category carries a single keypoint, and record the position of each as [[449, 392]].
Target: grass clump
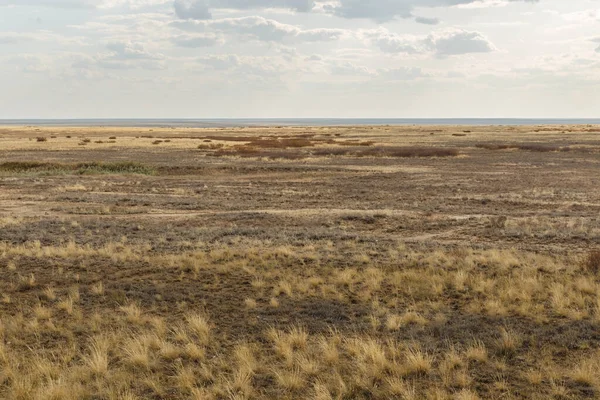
[[591, 263]]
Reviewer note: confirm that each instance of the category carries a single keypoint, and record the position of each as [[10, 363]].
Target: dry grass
[[379, 266], [183, 354], [592, 262]]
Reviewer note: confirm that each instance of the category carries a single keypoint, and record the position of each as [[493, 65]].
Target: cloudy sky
[[299, 58]]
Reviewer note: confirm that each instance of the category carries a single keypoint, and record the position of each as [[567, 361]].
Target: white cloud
[[427, 21], [187, 9], [457, 41], [201, 9], [402, 73], [298, 5], [443, 43], [484, 4], [198, 40], [122, 55], [52, 3], [131, 4], [220, 62], [390, 42], [351, 69], [597, 40], [387, 10], [261, 28], [38, 36], [235, 67], [131, 51]]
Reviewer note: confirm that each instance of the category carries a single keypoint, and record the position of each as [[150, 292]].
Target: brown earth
[[402, 247]]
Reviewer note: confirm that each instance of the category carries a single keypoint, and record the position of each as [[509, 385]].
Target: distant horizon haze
[[240, 122]]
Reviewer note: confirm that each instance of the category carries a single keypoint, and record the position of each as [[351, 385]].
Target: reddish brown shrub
[[382, 151], [535, 147]]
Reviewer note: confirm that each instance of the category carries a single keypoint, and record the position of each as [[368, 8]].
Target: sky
[[299, 58]]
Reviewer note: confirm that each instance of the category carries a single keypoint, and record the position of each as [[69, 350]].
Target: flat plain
[[415, 262]]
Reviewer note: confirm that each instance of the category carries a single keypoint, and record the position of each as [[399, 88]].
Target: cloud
[[131, 4], [241, 67], [458, 41], [379, 10], [390, 42], [10, 38], [194, 41], [387, 10], [402, 74], [187, 9], [52, 3], [351, 69], [131, 51], [449, 42], [297, 5], [427, 21], [121, 55], [355, 71], [201, 9], [262, 29], [220, 62]]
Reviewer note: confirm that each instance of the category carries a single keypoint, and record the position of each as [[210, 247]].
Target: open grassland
[[300, 263]]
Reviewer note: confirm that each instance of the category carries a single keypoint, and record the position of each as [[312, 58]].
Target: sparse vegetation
[[384, 264], [376, 151], [535, 147], [42, 168], [592, 262]]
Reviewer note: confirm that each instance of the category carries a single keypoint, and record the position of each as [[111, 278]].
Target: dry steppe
[[415, 262]]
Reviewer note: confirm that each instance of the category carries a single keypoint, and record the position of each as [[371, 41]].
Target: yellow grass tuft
[[290, 380], [199, 327], [418, 362], [508, 342], [477, 351], [97, 359]]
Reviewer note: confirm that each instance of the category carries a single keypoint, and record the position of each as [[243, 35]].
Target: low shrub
[[407, 152], [33, 167], [540, 148]]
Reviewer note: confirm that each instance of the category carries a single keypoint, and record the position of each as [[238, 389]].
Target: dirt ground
[[407, 249]]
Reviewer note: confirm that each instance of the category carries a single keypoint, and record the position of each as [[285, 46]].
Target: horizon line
[[285, 118]]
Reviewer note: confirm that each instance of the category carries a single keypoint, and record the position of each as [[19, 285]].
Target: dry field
[[300, 263]]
